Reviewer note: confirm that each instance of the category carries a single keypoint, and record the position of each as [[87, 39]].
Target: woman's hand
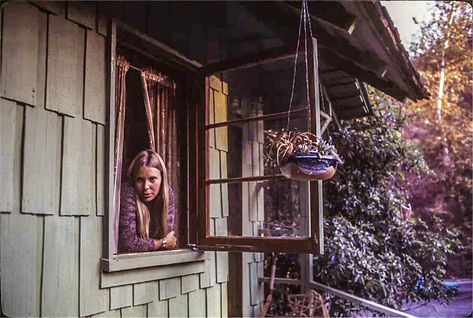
[[171, 240]]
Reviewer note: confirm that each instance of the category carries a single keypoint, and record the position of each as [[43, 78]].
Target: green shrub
[[371, 249]]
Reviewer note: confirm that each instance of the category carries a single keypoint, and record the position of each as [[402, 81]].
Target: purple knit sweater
[[128, 239]]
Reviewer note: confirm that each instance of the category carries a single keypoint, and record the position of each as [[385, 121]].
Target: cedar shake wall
[[52, 161]]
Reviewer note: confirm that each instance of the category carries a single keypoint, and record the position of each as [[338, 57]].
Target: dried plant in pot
[[301, 155]]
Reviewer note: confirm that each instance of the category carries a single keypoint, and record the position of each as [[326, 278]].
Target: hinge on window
[[316, 238]]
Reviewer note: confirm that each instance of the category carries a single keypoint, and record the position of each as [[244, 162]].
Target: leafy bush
[[371, 249]]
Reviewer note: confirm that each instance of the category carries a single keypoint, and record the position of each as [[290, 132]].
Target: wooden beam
[[259, 244], [155, 47], [285, 281], [337, 40], [260, 57], [315, 187], [258, 118], [244, 179]]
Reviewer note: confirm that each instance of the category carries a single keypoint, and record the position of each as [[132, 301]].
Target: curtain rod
[[166, 82]]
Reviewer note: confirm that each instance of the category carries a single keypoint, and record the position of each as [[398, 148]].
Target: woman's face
[[148, 183]]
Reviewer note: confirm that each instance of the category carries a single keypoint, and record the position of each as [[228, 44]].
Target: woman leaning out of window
[[147, 208]]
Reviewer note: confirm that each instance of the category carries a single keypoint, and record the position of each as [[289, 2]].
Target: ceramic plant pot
[[309, 166]]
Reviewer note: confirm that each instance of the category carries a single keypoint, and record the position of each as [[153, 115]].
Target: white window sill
[[129, 261]]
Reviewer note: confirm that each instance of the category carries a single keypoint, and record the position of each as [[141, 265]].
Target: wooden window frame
[[197, 172], [111, 262], [312, 244]]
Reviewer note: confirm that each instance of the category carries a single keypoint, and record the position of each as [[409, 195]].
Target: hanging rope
[[305, 21]]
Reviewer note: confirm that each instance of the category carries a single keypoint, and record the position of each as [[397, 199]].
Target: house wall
[[52, 161]]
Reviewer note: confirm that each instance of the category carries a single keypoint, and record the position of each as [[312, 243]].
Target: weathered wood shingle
[[11, 126], [158, 308], [178, 306], [213, 301], [169, 288], [78, 188], [197, 306], [41, 162], [121, 297], [189, 283], [20, 50], [100, 168], [144, 293], [61, 267], [137, 311], [95, 78], [20, 264], [64, 92], [93, 300], [82, 13]]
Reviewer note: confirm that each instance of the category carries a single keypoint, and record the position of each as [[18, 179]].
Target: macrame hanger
[[303, 21]]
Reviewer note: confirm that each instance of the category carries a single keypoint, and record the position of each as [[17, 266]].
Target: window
[[228, 198], [244, 204], [148, 110]]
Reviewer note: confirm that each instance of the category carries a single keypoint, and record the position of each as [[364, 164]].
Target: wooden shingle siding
[[92, 299], [11, 125], [81, 13], [213, 301], [55, 7], [78, 190], [121, 297], [60, 267], [208, 278], [150, 274], [144, 293], [137, 311], [64, 90], [221, 134], [224, 299], [215, 204], [20, 51], [102, 21], [222, 266], [197, 305], [41, 161], [109, 314], [20, 261], [178, 306], [100, 168], [189, 283], [95, 78], [169, 288], [53, 161], [158, 308]]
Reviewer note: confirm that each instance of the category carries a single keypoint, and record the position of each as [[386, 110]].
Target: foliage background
[[373, 250], [442, 127]]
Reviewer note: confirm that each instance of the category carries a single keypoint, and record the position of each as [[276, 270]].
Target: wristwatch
[[164, 243]]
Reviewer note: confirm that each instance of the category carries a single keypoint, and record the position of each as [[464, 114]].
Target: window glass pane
[[238, 150], [259, 90], [272, 208]]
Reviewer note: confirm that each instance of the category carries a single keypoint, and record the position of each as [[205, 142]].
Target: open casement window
[[246, 204], [152, 118]]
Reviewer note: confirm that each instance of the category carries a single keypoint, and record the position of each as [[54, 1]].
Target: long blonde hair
[[157, 210]]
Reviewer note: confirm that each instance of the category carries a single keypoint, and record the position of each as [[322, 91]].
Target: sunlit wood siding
[[52, 152]]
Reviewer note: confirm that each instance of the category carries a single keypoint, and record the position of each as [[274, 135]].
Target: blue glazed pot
[[309, 166]]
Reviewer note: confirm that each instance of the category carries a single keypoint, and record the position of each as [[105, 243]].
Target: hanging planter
[[301, 155]]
